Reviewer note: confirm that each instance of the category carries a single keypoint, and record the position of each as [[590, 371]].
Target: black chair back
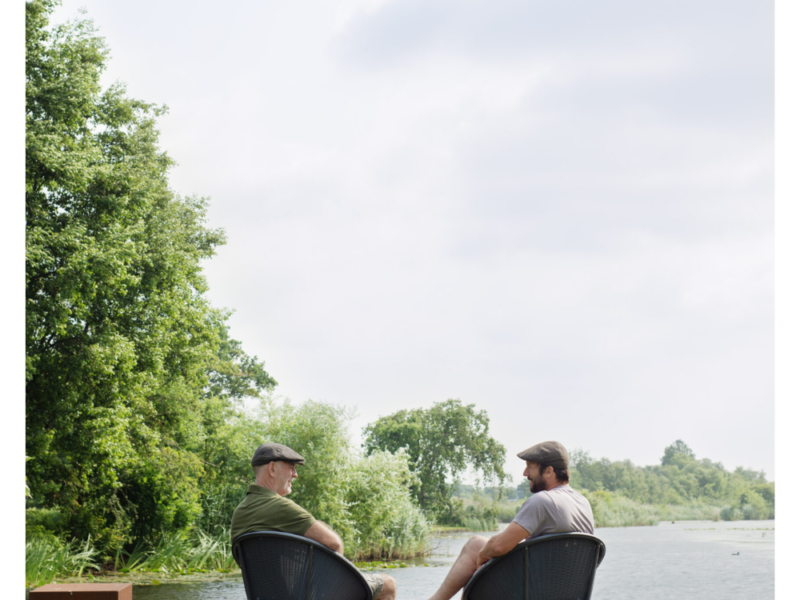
[[560, 566], [284, 566]]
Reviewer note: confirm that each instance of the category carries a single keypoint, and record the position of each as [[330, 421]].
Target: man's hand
[[320, 532], [503, 542]]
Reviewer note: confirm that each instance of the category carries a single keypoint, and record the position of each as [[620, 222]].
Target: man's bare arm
[[322, 533], [503, 542]]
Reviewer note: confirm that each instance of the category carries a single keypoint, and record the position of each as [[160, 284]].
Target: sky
[[561, 213]]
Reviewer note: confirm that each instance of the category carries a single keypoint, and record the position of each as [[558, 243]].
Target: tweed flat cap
[[269, 452], [551, 454]]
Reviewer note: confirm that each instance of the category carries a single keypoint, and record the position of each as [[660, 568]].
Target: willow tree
[[124, 352]]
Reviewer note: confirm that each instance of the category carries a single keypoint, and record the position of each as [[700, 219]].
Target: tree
[[441, 443], [124, 353], [676, 453]]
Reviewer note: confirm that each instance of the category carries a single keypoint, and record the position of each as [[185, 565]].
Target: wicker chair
[[284, 566], [560, 566]]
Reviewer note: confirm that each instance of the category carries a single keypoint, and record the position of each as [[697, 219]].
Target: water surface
[[690, 560]]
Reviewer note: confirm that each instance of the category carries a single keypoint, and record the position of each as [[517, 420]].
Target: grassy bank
[[48, 558], [611, 510], [614, 510]]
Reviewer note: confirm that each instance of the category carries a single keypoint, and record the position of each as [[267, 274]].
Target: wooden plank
[[83, 591]]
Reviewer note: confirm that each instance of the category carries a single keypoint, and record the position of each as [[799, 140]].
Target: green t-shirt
[[264, 510]]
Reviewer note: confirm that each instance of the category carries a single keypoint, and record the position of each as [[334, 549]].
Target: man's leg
[[383, 587], [462, 569], [389, 588]]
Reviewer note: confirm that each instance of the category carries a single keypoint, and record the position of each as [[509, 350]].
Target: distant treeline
[[621, 493], [682, 480]]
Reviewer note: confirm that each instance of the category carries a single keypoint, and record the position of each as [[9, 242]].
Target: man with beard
[[265, 508], [554, 508]]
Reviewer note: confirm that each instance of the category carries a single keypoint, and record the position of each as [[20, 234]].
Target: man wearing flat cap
[[266, 508], [554, 507]]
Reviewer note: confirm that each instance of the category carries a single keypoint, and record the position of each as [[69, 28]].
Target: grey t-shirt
[[559, 510]]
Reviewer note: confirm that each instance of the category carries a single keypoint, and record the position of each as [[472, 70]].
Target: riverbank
[[706, 559], [204, 559], [611, 510]]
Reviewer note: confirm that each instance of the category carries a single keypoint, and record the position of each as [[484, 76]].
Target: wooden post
[[83, 591]]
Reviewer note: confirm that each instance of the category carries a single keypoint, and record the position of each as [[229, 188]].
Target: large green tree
[[129, 368], [441, 443]]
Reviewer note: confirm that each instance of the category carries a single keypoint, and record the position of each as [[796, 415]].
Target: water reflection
[[691, 560], [734, 560], [415, 581]]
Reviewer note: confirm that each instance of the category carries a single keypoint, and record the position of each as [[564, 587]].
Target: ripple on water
[[691, 560]]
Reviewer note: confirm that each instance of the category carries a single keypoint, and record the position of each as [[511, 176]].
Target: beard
[[537, 485]]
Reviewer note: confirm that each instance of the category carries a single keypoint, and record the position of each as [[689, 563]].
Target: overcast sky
[[559, 212]]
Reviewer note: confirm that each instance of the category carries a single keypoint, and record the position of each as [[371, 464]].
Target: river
[[690, 560]]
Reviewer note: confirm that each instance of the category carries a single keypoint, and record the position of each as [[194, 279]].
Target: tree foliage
[[680, 479], [366, 499], [135, 421], [128, 365], [677, 453], [441, 443]]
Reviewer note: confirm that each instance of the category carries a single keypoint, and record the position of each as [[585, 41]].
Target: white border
[[12, 237], [787, 292]]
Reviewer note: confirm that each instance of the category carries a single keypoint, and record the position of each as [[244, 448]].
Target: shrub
[[366, 499], [610, 510], [44, 521], [731, 513], [507, 511], [379, 504]]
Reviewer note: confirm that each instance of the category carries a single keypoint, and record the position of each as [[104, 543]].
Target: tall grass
[[612, 510], [406, 536], [178, 553], [219, 502], [506, 511], [688, 512], [478, 524], [47, 557], [381, 520]]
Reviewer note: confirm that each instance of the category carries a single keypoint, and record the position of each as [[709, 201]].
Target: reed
[[47, 557], [406, 536], [177, 553], [690, 512], [478, 524], [612, 510]]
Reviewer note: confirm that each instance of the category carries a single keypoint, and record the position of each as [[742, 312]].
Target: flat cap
[[551, 454], [268, 452]]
